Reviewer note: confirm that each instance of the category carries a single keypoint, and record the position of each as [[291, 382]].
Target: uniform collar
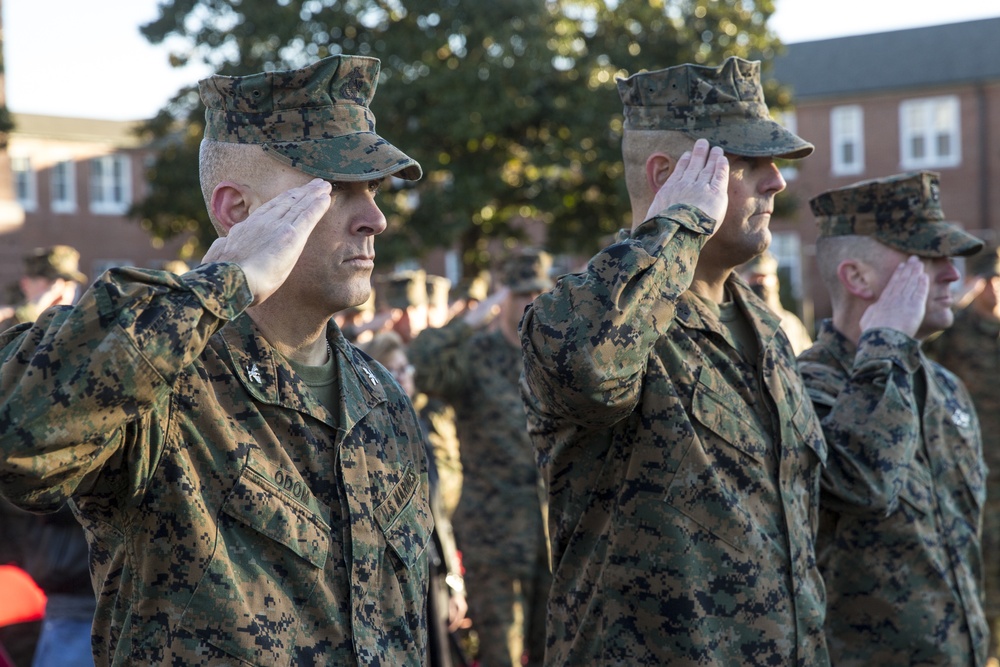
[[694, 314], [270, 379]]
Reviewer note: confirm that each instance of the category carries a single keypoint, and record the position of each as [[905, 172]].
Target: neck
[[710, 283], [301, 340]]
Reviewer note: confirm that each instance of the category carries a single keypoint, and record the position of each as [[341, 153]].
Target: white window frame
[[64, 171], [847, 130], [929, 120], [103, 184], [25, 182]]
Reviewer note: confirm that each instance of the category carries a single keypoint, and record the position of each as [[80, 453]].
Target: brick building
[[72, 181], [886, 103]]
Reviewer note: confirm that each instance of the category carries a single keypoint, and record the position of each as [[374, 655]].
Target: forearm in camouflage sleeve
[[587, 341], [870, 420], [71, 383]]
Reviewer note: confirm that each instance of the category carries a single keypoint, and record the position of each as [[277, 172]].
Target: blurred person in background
[[761, 273], [51, 277], [500, 518]]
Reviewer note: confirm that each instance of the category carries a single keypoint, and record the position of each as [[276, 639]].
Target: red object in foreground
[[21, 600]]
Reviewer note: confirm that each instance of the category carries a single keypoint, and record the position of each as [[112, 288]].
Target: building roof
[[966, 52], [118, 133]]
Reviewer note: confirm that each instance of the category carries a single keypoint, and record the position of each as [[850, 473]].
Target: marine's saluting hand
[[903, 301], [700, 179]]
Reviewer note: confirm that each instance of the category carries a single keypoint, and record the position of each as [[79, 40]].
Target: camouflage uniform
[[681, 525], [904, 483], [221, 502], [970, 348], [683, 478], [231, 516], [499, 519]]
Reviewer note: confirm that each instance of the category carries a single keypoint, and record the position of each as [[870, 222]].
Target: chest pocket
[[724, 412], [724, 463], [272, 541], [405, 519]]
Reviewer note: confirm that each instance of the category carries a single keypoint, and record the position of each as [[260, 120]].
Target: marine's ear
[[659, 166], [857, 279], [230, 204]]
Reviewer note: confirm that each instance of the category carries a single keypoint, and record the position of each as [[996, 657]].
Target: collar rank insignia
[[371, 376], [254, 374]]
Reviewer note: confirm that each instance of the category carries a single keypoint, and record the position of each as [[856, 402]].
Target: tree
[[510, 106]]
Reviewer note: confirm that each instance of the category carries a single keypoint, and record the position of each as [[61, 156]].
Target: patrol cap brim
[[360, 156], [755, 138], [935, 239]]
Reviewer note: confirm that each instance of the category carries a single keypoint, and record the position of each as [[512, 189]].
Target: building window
[[110, 184], [930, 133], [64, 187], [847, 140], [25, 183]]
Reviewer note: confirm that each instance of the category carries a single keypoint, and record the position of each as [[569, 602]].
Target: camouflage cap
[[901, 211], [54, 262], [401, 290], [985, 263], [724, 105], [527, 270], [315, 119]]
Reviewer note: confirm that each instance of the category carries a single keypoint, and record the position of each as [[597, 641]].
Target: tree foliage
[[510, 106]]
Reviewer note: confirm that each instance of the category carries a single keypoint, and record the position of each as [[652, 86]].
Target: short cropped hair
[[221, 161], [832, 250]]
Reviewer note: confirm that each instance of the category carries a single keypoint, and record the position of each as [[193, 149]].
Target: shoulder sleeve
[[71, 382], [870, 420], [586, 342]]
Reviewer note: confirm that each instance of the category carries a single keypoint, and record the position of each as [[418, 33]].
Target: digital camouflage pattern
[[902, 501], [315, 119], [231, 517], [901, 211], [970, 349], [681, 524], [723, 104], [498, 521]]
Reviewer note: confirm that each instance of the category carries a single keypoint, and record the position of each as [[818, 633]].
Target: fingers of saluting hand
[[700, 179], [903, 300], [303, 205]]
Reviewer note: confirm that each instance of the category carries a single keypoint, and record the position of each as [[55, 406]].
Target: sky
[[87, 59]]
